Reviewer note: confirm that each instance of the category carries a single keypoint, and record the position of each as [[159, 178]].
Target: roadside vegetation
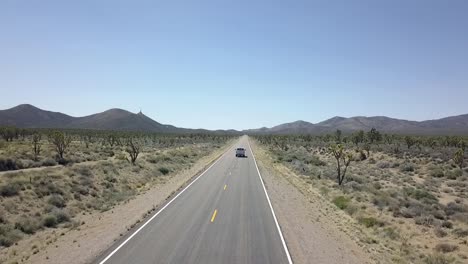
[[409, 192], [48, 177]]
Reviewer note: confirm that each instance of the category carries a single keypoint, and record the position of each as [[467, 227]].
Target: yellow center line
[[214, 216], [225, 186]]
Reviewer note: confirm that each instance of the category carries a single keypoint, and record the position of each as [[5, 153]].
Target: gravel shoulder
[[100, 230], [314, 230]]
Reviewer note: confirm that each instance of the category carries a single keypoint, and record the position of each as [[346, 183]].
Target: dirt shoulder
[[99, 230], [314, 230]]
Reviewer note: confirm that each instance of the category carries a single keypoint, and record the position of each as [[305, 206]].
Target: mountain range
[[454, 125], [29, 116]]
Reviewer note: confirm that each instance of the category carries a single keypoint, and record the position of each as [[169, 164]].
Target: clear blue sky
[[237, 64]]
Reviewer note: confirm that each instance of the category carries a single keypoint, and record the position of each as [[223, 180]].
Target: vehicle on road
[[240, 152]]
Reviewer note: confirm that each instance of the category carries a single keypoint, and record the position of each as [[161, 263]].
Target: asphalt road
[[224, 216]]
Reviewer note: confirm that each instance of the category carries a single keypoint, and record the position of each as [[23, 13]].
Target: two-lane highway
[[223, 216]]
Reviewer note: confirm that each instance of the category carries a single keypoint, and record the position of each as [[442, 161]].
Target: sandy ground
[[314, 230], [101, 230]]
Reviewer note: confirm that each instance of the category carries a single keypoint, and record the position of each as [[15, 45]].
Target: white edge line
[[149, 220], [271, 207]]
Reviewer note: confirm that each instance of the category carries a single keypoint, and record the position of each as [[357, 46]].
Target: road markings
[[149, 220], [214, 215], [225, 186], [271, 207]]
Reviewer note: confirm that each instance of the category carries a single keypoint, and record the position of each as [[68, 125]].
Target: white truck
[[240, 152]]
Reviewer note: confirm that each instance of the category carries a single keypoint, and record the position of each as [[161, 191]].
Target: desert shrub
[[445, 247], [437, 172], [47, 188], [78, 189], [57, 201], [439, 232], [383, 199], [8, 164], [454, 174], [3, 219], [425, 220], [453, 208], [164, 170], [158, 158], [383, 165], [49, 162], [27, 225], [461, 217], [391, 233], [49, 221], [8, 235], [341, 202], [61, 215], [447, 224], [10, 189], [83, 170], [420, 195], [63, 161], [438, 259], [24, 164], [407, 167], [409, 209], [351, 209], [460, 232], [314, 160], [370, 221]]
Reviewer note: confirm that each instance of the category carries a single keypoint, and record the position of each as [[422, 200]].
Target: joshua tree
[[60, 141], [133, 149], [367, 148], [36, 141], [9, 133], [458, 158], [410, 141], [338, 136], [374, 136], [343, 159], [358, 137]]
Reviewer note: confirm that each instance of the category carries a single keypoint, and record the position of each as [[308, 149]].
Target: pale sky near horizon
[[237, 64]]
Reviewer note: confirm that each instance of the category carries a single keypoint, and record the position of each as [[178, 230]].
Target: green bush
[[10, 189], [420, 194], [8, 164], [341, 202], [27, 225], [391, 233], [50, 221], [407, 167], [454, 174], [437, 173], [61, 216], [370, 222], [57, 201], [164, 170], [49, 162], [8, 235]]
